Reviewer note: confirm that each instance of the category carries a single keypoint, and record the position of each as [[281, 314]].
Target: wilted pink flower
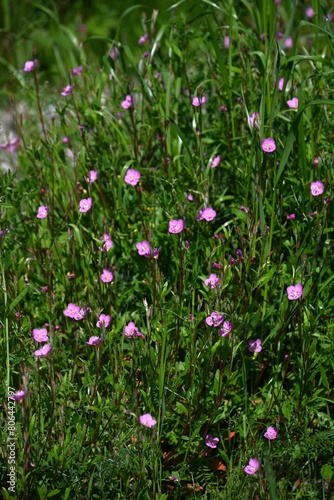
[[85, 205], [215, 319], [94, 340], [43, 351], [176, 226], [143, 39], [104, 321], [114, 53], [226, 329], [252, 467], [131, 330], [40, 335], [226, 42], [198, 101], [211, 441], [11, 146], [294, 291], [244, 209], [18, 396], [92, 176], [147, 420], [316, 161], [68, 90], [291, 216], [317, 188], [271, 433], [268, 145], [71, 310], [212, 281], [42, 212], [29, 65], [206, 213], [223, 108], [132, 177], [293, 103], [77, 71], [215, 161], [127, 103], [107, 276], [254, 119], [255, 345], [107, 243]]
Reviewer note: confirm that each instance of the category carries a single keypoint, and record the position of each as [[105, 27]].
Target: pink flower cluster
[[41, 335], [75, 312]]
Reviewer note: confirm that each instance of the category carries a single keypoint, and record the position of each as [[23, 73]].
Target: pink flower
[[143, 247], [223, 108], [280, 84], [104, 321], [226, 329], [206, 213], [43, 351], [143, 39], [288, 43], [107, 276], [215, 161], [271, 433], [127, 103], [71, 310], [79, 315], [132, 177], [65, 140], [30, 65], [215, 319], [198, 101], [252, 467], [131, 331], [291, 216], [268, 145], [77, 71], [316, 161], [293, 103], [40, 335], [114, 53], [309, 12], [254, 119], [294, 292], [92, 176], [211, 441], [176, 226], [18, 396], [107, 243], [68, 90], [147, 420], [11, 146], [42, 212], [212, 281], [85, 205], [94, 340], [317, 188], [255, 345], [244, 209], [226, 42]]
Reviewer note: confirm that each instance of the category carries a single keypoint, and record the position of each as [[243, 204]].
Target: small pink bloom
[[317, 188], [65, 140], [71, 310], [294, 292], [288, 43], [147, 420], [252, 467], [18, 396], [107, 276], [143, 39], [127, 103], [271, 433], [92, 176], [43, 351], [104, 321], [94, 340], [190, 197], [68, 90], [132, 177], [143, 247], [107, 243], [215, 161], [223, 108], [291, 216], [280, 84], [176, 226], [11, 146], [211, 441], [131, 331], [212, 281], [255, 345], [309, 12], [316, 161], [79, 315], [42, 212], [77, 71], [254, 119], [30, 65], [293, 103], [206, 213], [226, 42], [114, 53], [85, 205], [215, 319], [226, 329], [198, 101], [268, 145], [244, 209], [40, 335]]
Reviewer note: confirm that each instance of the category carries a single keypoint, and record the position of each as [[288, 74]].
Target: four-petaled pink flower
[[132, 177], [198, 101], [92, 176], [107, 276], [71, 310], [226, 329], [317, 188], [176, 226], [255, 345], [254, 119], [18, 396], [107, 243], [127, 103], [215, 161], [271, 433], [212, 281], [40, 335], [215, 319], [143, 247], [131, 331], [42, 212], [104, 321], [147, 420], [43, 351], [68, 90], [295, 292], [85, 205], [94, 340], [207, 214], [211, 441], [268, 145], [293, 103], [252, 467], [29, 65]]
